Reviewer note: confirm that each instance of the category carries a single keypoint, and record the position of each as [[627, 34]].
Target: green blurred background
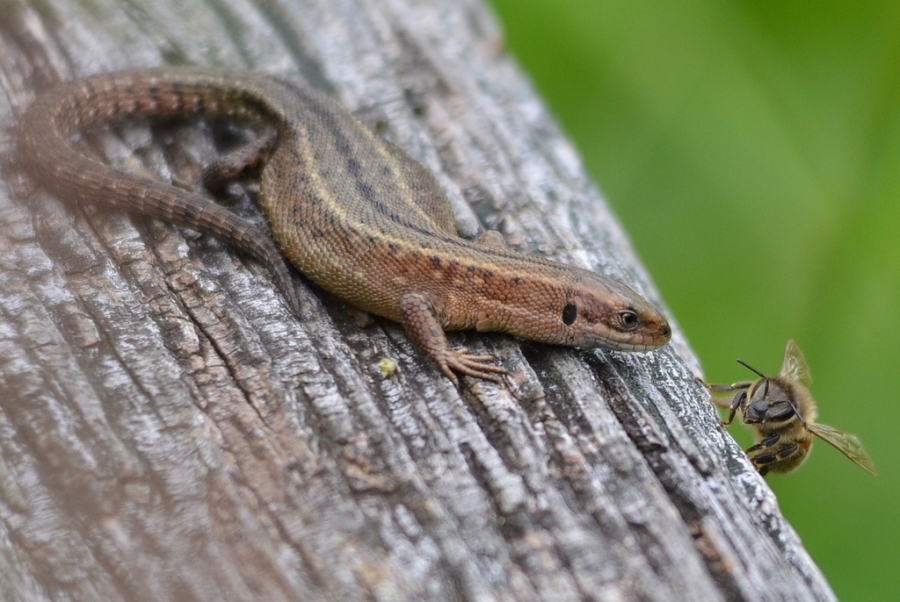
[[752, 151]]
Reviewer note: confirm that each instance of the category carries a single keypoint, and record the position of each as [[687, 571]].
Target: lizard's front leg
[[421, 317]]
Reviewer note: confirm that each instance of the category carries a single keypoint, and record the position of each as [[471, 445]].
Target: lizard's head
[[599, 312]]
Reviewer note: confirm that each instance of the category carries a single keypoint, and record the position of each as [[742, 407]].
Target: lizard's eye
[[628, 319], [570, 312]]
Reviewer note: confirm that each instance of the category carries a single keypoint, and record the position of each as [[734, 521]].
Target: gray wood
[[168, 431]]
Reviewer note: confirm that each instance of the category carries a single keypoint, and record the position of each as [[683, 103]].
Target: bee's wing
[[848, 445], [794, 365]]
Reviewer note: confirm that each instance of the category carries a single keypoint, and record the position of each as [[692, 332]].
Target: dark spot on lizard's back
[[353, 166], [387, 171], [367, 192], [436, 261], [154, 93], [341, 144], [392, 247], [517, 280]]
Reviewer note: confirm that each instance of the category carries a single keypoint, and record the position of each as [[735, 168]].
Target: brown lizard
[[347, 208]]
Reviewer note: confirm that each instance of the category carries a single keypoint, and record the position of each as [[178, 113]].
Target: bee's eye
[[570, 312], [628, 319]]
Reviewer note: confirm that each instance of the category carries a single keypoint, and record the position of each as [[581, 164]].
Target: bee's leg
[[761, 456], [743, 384], [736, 403], [767, 454], [763, 461], [766, 443], [733, 405]]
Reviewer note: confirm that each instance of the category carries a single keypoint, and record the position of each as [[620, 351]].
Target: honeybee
[[782, 412]]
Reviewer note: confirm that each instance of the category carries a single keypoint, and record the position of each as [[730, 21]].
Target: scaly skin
[[348, 209]]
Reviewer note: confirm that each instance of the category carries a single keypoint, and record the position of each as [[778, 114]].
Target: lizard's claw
[[476, 366]]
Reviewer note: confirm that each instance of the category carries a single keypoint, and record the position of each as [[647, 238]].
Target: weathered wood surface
[[168, 431]]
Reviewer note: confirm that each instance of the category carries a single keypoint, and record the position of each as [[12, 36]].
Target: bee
[[782, 412]]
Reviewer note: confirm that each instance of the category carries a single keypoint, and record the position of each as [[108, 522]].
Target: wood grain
[[168, 431]]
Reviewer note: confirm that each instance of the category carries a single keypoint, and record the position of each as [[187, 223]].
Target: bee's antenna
[[751, 368]]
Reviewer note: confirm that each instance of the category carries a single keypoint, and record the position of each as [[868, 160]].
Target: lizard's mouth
[[651, 335]]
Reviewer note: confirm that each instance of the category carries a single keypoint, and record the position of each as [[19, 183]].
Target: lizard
[[348, 209]]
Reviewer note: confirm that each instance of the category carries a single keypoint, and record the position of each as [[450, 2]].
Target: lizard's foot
[[476, 366]]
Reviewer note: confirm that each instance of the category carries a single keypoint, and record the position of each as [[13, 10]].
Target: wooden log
[[169, 431]]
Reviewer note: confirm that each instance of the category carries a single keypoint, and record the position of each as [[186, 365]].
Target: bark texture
[[168, 431]]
